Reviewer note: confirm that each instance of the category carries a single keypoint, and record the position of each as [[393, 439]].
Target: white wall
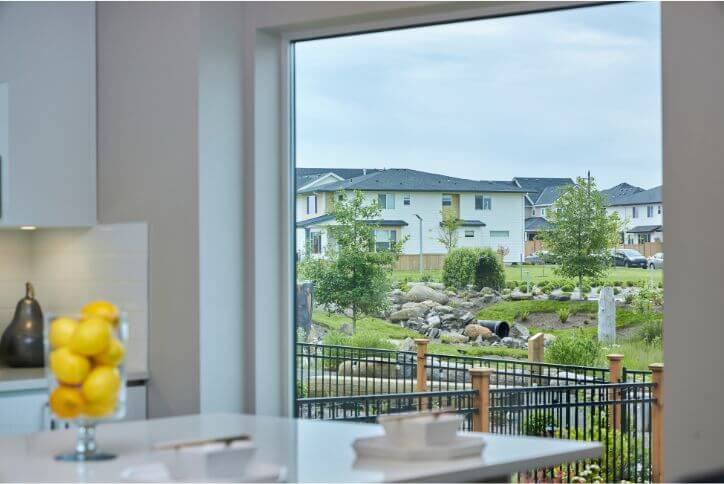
[[148, 90], [71, 267], [693, 116], [220, 208], [625, 213]]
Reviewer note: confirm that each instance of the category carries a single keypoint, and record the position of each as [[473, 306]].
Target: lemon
[[61, 331], [101, 309], [113, 356], [100, 408], [66, 402], [92, 336], [69, 367], [102, 384]]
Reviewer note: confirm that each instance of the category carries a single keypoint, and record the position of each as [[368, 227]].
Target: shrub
[[585, 289], [652, 330], [539, 424], [661, 284], [630, 283], [523, 288], [574, 348], [511, 285], [489, 271], [426, 278], [616, 291], [546, 290], [563, 314], [524, 315], [618, 283], [458, 269], [629, 298], [302, 391], [361, 339], [567, 288]]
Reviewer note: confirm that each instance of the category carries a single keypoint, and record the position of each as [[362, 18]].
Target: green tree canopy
[[354, 274], [582, 232]]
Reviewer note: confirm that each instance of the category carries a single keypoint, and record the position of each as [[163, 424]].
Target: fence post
[[481, 384], [614, 372], [536, 353], [657, 423], [421, 378]]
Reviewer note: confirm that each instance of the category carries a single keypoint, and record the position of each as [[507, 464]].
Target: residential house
[[540, 195], [641, 212], [491, 212]]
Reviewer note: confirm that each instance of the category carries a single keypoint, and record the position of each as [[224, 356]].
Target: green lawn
[[542, 272]]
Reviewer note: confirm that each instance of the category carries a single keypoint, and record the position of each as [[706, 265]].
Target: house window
[[340, 197], [406, 199], [311, 204], [446, 200], [659, 207], [485, 203], [469, 233], [316, 242], [386, 201], [499, 233], [543, 212], [384, 239], [621, 239], [634, 212], [650, 211], [644, 238]]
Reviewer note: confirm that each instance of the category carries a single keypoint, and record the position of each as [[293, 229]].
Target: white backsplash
[[70, 267]]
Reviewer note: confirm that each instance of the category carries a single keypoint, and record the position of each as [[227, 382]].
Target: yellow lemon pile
[[84, 359]]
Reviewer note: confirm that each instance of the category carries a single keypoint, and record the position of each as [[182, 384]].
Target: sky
[[542, 95]]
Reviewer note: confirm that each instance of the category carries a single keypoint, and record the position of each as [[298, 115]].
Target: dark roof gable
[[304, 176], [403, 179], [613, 194], [643, 197]]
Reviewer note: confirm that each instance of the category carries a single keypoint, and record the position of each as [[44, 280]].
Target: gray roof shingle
[[643, 197], [534, 224], [536, 186], [645, 229], [304, 176], [613, 194], [403, 179], [549, 195]]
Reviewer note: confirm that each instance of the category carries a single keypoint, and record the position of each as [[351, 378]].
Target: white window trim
[[267, 144]]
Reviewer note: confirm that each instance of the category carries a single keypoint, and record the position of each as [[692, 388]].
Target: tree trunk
[[354, 319]]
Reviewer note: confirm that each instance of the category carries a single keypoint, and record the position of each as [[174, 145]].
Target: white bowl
[[213, 460], [423, 430]]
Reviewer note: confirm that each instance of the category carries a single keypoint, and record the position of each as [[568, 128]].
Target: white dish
[[382, 448], [159, 472], [214, 460], [420, 430]]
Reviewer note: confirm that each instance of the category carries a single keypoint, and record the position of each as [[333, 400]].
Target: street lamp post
[[420, 244]]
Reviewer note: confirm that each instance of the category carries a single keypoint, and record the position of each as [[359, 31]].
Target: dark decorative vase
[[22, 342]]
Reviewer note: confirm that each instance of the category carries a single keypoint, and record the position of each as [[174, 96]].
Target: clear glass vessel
[[86, 448]]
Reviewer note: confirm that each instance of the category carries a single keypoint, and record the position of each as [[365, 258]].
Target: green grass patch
[[540, 273], [508, 310], [379, 327], [466, 350]]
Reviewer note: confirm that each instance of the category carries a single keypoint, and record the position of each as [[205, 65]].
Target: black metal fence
[[616, 414], [525, 398], [331, 371], [366, 408]]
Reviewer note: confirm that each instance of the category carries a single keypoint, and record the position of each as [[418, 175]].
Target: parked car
[[656, 261], [629, 258], [540, 257]]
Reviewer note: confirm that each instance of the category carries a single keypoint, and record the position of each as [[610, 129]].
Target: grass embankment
[[539, 273]]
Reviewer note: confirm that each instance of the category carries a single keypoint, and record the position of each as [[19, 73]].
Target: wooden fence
[[409, 262], [647, 249]]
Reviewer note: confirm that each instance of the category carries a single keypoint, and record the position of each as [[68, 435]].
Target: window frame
[[406, 200], [469, 233], [312, 197], [442, 200], [507, 232], [387, 196]]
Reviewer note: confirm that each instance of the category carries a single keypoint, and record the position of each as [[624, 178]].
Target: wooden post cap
[[481, 370], [536, 337], [656, 367], [422, 341], [614, 357]]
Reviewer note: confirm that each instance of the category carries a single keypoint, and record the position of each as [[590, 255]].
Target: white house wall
[[625, 213]]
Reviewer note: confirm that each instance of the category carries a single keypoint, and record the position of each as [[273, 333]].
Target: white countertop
[[21, 379], [311, 450]]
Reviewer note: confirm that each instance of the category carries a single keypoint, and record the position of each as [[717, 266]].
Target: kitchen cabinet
[[47, 114], [27, 411]]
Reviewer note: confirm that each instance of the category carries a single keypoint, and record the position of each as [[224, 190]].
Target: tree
[[355, 274], [448, 232], [581, 233]]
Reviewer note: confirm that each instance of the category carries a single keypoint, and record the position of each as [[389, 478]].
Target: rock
[[419, 293], [346, 328], [521, 296], [403, 315], [408, 345], [433, 333], [488, 298], [443, 309], [494, 338], [447, 317], [517, 330], [475, 331], [560, 296], [548, 339], [433, 321], [435, 285], [466, 317], [369, 367], [480, 341], [513, 342], [454, 337], [431, 304]]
